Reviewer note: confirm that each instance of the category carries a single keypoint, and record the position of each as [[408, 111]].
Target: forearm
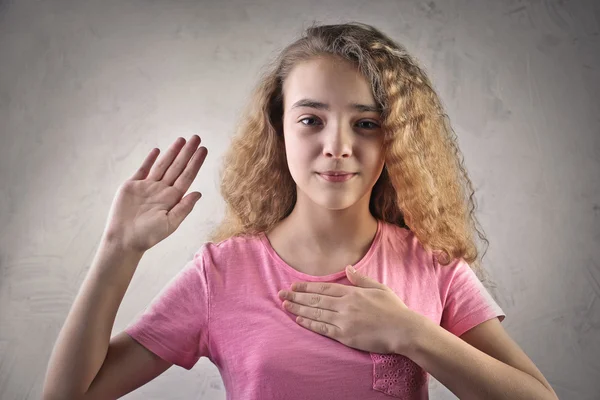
[[468, 372], [83, 341]]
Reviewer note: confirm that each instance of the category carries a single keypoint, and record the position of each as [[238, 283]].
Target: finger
[[181, 161], [313, 313], [161, 166], [183, 209], [185, 180], [312, 299], [322, 328], [142, 172], [330, 289]]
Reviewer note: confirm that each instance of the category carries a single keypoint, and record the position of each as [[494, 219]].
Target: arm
[[147, 208], [83, 342], [504, 372]]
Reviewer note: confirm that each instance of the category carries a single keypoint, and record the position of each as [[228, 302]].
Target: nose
[[338, 142]]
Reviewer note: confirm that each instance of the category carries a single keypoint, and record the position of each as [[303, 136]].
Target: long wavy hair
[[424, 186]]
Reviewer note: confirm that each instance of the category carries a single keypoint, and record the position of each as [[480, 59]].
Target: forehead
[[329, 80]]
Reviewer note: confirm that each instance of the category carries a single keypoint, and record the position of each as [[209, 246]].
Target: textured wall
[[88, 88]]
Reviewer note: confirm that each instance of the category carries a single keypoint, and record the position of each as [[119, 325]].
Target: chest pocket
[[397, 375]]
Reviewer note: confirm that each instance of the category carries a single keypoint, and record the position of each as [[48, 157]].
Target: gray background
[[88, 88]]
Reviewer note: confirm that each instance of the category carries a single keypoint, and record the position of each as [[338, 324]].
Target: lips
[[337, 178], [336, 173]]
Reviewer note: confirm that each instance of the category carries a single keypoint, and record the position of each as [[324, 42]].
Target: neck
[[325, 231]]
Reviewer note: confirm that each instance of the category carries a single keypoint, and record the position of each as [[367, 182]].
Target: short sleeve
[[174, 325], [466, 302]]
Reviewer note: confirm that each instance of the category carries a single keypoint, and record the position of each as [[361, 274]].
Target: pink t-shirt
[[224, 305]]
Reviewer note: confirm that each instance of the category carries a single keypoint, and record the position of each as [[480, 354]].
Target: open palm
[[150, 205]]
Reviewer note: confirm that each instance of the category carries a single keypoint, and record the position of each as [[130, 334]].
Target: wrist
[[114, 242], [416, 334], [114, 264]]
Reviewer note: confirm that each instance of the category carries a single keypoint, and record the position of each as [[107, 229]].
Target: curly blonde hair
[[423, 187]]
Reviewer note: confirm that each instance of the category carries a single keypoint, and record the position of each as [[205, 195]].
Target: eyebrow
[[322, 106]]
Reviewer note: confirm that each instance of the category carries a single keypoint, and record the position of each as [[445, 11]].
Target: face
[[324, 130]]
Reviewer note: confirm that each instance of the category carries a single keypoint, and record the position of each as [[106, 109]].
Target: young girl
[[345, 267]]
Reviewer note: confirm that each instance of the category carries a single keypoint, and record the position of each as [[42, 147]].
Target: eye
[[308, 118], [373, 124]]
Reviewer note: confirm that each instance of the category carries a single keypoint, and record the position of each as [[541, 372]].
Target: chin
[[335, 203]]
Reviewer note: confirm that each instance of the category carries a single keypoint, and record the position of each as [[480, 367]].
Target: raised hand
[[150, 205]]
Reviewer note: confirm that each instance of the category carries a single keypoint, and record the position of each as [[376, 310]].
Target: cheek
[[379, 161], [301, 152], [375, 157], [299, 159]]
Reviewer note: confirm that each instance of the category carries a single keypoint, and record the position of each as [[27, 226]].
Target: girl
[[345, 267]]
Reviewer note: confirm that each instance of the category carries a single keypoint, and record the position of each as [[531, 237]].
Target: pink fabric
[[224, 305]]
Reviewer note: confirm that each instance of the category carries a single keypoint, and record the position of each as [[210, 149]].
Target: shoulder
[[231, 249], [398, 237], [422, 260], [403, 237], [407, 245], [411, 245]]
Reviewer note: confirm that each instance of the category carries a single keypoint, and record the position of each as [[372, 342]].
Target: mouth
[[336, 177]]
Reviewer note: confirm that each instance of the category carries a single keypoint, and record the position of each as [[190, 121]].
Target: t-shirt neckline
[[281, 263]]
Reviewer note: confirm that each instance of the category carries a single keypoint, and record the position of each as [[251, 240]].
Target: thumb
[[184, 208], [361, 280]]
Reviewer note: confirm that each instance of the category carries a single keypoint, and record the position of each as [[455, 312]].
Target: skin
[[330, 225], [331, 221]]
